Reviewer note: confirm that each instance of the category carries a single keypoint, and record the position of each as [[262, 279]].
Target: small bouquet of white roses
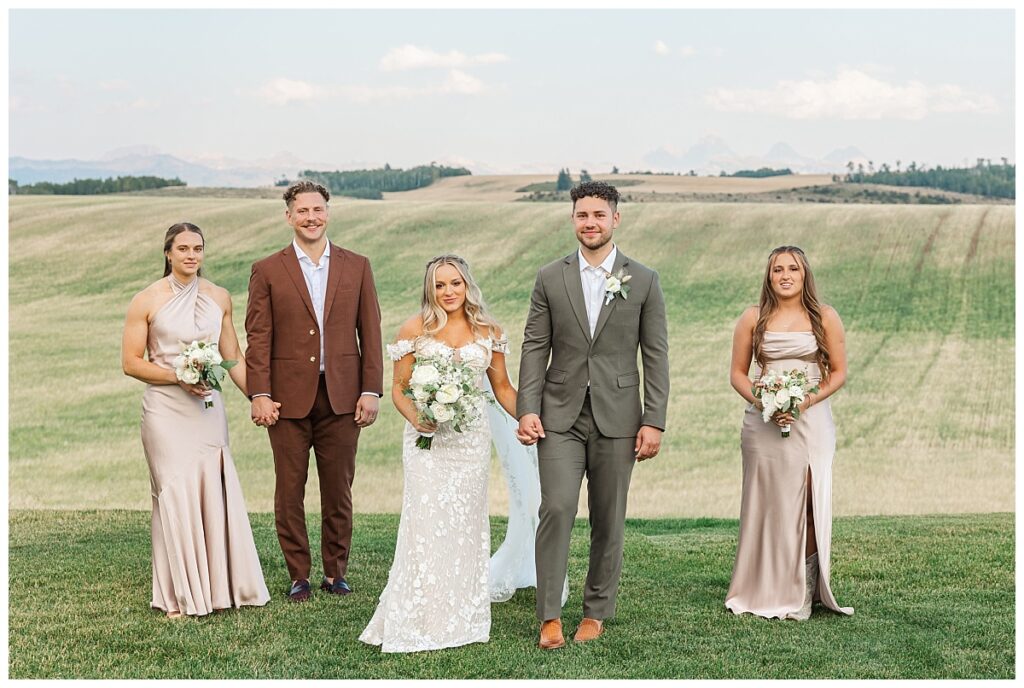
[[202, 362], [444, 391], [782, 392]]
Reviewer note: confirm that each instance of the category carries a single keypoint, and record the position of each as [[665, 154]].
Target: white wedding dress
[[441, 585], [513, 566], [437, 593]]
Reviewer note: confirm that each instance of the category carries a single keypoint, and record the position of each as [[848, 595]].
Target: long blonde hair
[[808, 299], [435, 317]]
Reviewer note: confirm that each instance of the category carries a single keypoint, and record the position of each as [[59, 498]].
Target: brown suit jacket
[[282, 358]]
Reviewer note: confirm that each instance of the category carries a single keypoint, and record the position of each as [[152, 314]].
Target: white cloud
[[412, 57], [460, 82], [852, 94], [282, 91], [661, 48]]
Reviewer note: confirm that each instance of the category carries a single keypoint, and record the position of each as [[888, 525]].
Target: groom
[[314, 348], [589, 313]]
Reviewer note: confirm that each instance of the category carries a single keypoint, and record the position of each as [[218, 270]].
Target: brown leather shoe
[[590, 629], [551, 637]]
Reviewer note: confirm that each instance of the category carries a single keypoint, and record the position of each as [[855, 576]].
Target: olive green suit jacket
[[559, 356]]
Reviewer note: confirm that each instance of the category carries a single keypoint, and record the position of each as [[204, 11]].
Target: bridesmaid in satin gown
[[204, 558], [783, 555]]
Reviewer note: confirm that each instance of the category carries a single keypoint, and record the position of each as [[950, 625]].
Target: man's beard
[[602, 240]]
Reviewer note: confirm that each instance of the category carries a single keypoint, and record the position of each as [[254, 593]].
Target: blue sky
[[511, 90]]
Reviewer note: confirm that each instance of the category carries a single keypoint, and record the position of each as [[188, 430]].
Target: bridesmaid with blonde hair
[[782, 559]]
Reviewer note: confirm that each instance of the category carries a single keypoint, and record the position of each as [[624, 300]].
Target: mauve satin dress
[[768, 577], [204, 557]]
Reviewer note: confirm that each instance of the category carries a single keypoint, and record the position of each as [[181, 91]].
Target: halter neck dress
[[204, 557]]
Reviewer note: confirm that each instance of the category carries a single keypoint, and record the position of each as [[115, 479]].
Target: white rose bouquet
[[202, 362], [782, 392], [444, 391]]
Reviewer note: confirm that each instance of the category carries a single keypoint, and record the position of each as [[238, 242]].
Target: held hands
[[265, 411], [648, 443], [530, 429], [366, 410]]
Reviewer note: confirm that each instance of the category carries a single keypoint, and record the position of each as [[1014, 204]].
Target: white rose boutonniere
[[615, 285]]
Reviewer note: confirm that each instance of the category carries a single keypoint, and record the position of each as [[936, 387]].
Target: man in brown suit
[[314, 348], [579, 400]]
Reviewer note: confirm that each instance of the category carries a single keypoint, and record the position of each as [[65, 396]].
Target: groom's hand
[[648, 443], [530, 429]]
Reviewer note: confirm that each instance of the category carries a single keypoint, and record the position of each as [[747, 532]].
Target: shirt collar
[[302, 254], [608, 263]]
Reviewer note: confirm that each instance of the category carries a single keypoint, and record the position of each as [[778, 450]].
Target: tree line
[[758, 173], [373, 183], [984, 179], [90, 187]]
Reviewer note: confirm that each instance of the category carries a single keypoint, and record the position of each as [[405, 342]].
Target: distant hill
[[140, 161]]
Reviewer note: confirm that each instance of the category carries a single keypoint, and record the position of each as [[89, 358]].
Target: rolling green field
[[925, 423], [933, 598]]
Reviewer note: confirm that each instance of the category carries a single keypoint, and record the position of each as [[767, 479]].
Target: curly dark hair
[[602, 190], [304, 186]]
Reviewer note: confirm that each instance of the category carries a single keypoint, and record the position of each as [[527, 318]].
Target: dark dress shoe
[[300, 591], [338, 587]]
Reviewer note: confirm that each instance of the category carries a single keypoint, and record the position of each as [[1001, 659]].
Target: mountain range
[[710, 155]]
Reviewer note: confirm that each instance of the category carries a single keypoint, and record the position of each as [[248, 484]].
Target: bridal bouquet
[[201, 362], [782, 392], [444, 391]]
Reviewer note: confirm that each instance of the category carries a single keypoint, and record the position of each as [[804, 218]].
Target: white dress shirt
[[594, 280], [315, 275]]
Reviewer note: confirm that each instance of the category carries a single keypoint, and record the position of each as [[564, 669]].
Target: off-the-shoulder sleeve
[[500, 345], [400, 348]]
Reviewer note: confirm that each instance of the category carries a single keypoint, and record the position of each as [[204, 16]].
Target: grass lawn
[[934, 598]]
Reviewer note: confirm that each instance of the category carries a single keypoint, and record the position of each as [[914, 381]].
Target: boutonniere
[[615, 285]]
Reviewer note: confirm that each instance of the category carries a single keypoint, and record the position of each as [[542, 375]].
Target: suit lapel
[[621, 261], [291, 266], [574, 287], [336, 267]]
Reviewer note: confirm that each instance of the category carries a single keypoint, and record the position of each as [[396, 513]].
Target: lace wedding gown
[[437, 592]]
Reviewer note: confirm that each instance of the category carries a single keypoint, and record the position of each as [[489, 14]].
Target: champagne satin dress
[[204, 557], [768, 577]]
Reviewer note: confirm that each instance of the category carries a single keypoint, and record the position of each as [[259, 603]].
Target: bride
[[441, 585]]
